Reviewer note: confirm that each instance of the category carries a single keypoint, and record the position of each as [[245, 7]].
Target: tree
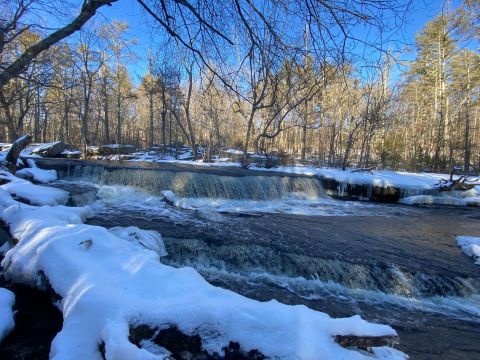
[[13, 27]]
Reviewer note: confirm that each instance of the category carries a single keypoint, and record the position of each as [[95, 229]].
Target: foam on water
[[116, 197], [463, 308]]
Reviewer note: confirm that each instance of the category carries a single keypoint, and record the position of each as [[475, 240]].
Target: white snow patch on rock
[[35, 194], [7, 323], [36, 174], [148, 239], [471, 246], [455, 198]]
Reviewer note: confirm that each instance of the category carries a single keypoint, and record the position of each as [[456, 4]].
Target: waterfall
[[200, 185]]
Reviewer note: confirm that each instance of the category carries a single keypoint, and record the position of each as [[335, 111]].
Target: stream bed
[[282, 237], [391, 264]]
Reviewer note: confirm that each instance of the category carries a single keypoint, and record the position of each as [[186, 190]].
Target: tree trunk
[[17, 147]]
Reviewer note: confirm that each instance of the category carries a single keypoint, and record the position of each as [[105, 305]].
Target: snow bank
[[471, 246], [36, 174], [7, 323], [109, 280], [35, 194], [456, 198]]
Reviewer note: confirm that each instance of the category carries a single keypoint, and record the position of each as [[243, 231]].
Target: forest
[[277, 78]]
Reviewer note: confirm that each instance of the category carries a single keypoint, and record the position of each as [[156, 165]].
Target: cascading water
[[201, 185], [386, 278]]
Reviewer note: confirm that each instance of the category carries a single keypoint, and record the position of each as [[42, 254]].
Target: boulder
[[116, 149], [366, 342], [51, 149]]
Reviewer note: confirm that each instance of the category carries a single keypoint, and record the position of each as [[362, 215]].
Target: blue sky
[[140, 26]]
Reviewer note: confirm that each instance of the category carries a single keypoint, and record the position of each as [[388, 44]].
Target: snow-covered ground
[[7, 323], [110, 280], [470, 246]]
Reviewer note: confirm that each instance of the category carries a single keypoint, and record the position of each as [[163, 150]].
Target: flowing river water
[[286, 240]]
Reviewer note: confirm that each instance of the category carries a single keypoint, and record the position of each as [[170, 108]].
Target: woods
[[232, 75]]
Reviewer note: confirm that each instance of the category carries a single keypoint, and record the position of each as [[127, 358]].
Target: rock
[[70, 154], [183, 346], [5, 236], [116, 149], [51, 149], [37, 321], [366, 342]]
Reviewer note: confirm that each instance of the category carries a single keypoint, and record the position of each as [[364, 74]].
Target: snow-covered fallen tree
[[111, 282]]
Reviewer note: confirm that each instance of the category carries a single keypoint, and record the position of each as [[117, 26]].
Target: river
[[392, 264]]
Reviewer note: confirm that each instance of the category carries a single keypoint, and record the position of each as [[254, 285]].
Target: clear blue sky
[[140, 26]]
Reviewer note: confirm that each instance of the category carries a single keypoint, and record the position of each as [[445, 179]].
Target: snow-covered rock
[[34, 194], [112, 280], [471, 246], [149, 239], [7, 323], [49, 149], [36, 174]]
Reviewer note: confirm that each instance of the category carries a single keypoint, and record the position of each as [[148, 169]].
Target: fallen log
[[460, 184]]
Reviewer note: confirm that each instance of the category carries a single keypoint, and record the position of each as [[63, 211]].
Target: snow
[[36, 174], [7, 323], [109, 280], [383, 178], [234, 151], [454, 198], [35, 194], [471, 246], [149, 239], [71, 152], [42, 147], [118, 146]]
